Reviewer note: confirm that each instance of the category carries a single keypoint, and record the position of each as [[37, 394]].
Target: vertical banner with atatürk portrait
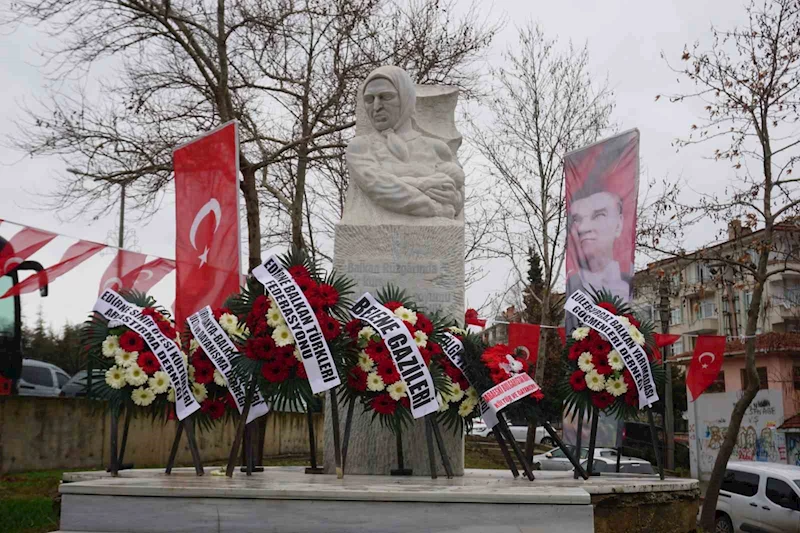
[[602, 186]]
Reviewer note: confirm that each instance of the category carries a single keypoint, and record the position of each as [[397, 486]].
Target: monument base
[[284, 499]]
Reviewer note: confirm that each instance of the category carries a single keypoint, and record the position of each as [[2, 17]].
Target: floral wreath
[[373, 378], [595, 374], [263, 337]]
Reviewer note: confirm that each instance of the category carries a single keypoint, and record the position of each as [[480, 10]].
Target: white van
[[759, 497], [41, 379]]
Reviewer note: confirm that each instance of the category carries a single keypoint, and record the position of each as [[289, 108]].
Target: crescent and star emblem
[[9, 265], [212, 206], [704, 354], [146, 274], [111, 282]]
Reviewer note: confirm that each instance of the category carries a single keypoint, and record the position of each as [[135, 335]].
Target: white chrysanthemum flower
[[110, 346], [421, 338], [171, 395], [219, 379], [455, 330], [159, 383], [456, 392], [229, 322], [375, 382], [115, 377], [191, 371], [615, 360], [397, 390], [443, 403], [135, 375], [366, 333], [579, 334], [177, 340], [282, 336], [185, 359], [616, 387], [365, 362], [625, 321], [142, 396], [406, 314], [274, 317], [200, 392], [636, 335], [193, 345], [595, 381], [472, 394], [125, 359], [242, 332], [466, 408], [297, 354], [585, 362]]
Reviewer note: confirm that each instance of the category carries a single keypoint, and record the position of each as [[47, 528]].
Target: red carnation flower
[[260, 348], [632, 320], [148, 362], [213, 408], [376, 349], [218, 312], [260, 306], [393, 305], [352, 328], [602, 400], [577, 381], [424, 324], [388, 371], [608, 306], [577, 349], [404, 401], [409, 326], [495, 355], [537, 395], [152, 313], [599, 346], [204, 374], [452, 372], [299, 271], [498, 375], [230, 401], [130, 341], [275, 372], [463, 383], [5, 386], [357, 379], [329, 295], [167, 329], [383, 404], [300, 371], [330, 326], [285, 356], [435, 348], [600, 363], [426, 354], [305, 284], [632, 397]]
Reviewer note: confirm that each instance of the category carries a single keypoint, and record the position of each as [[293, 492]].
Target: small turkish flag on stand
[[706, 364], [122, 265], [207, 221], [526, 336]]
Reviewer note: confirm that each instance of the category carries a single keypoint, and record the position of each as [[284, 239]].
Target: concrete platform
[[284, 499]]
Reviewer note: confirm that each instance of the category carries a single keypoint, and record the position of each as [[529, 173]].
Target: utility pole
[[121, 218], [669, 414]]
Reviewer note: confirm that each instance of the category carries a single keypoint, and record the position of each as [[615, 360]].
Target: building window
[[719, 383], [707, 308], [675, 316], [796, 377], [748, 297], [762, 378], [677, 347]]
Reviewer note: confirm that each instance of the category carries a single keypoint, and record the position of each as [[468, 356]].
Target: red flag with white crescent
[[22, 245], [706, 364], [122, 264], [74, 256], [207, 221], [525, 336], [146, 276]]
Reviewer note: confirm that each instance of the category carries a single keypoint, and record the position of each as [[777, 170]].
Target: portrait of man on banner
[[602, 183]]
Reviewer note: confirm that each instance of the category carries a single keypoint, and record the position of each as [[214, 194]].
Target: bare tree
[[749, 83], [545, 105], [286, 70]]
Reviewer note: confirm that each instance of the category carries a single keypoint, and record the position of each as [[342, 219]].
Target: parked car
[[76, 386], [759, 497], [41, 379], [556, 459], [519, 432], [627, 465]]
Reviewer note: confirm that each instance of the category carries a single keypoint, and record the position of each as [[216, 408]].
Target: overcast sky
[[625, 40]]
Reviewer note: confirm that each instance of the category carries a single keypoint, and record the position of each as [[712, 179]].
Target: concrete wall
[[56, 433]]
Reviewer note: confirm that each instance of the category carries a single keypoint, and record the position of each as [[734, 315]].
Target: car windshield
[[797, 482]]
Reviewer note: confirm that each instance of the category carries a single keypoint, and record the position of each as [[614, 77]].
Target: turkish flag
[[21, 246], [74, 256], [663, 340], [121, 265], [526, 336], [706, 364], [143, 279], [471, 319], [562, 334], [207, 221]]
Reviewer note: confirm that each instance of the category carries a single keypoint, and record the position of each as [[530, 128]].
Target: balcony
[[709, 325]]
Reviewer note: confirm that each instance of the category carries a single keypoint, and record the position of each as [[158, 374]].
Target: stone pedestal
[[427, 261]]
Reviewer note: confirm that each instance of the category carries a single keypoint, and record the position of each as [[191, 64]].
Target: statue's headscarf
[[408, 102]]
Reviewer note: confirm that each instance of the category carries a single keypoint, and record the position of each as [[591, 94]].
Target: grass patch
[[27, 502]]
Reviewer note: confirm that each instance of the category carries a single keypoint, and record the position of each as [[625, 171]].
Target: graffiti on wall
[[793, 447]]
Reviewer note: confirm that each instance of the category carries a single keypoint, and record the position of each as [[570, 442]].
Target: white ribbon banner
[[608, 325], [222, 352], [454, 349], [404, 350], [505, 393], [114, 307], [303, 323]]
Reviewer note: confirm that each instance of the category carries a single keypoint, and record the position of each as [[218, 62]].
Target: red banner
[[22, 245], [146, 276], [706, 364], [602, 182], [471, 318], [123, 264], [207, 221], [74, 256], [525, 336], [663, 340], [562, 334]]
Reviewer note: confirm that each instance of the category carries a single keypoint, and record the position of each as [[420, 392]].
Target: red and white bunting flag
[[74, 256], [122, 265], [21, 246], [527, 337], [706, 364], [207, 221], [143, 279]]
